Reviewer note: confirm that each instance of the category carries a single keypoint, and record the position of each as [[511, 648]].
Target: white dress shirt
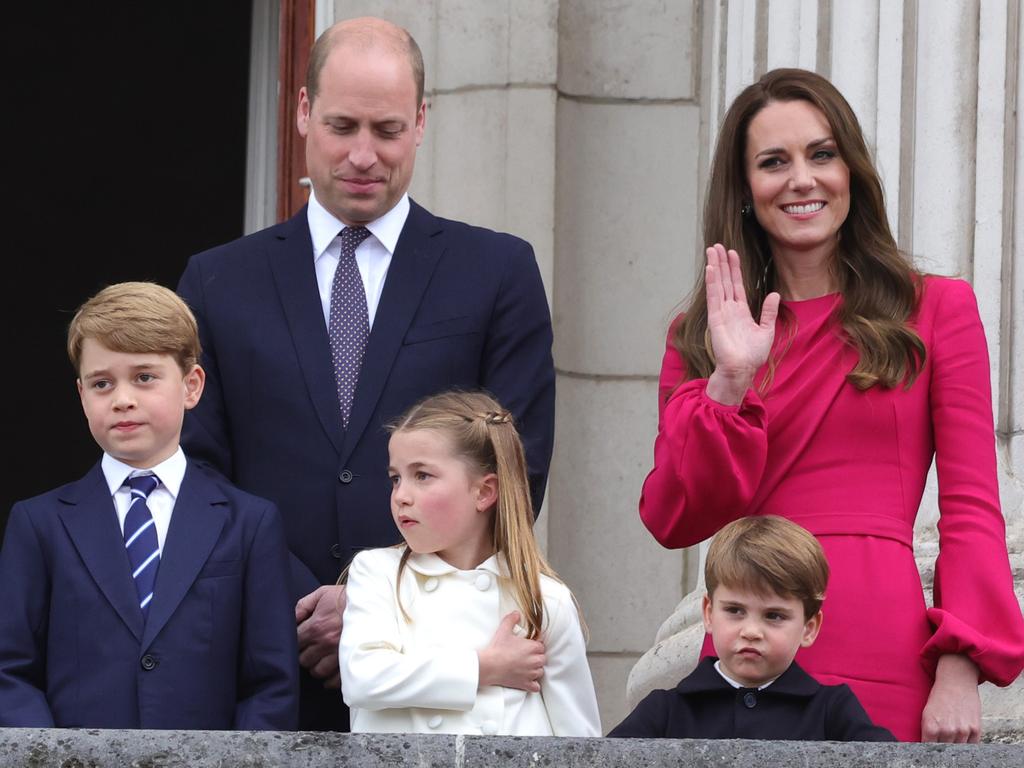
[[171, 472], [373, 255], [422, 675], [733, 683]]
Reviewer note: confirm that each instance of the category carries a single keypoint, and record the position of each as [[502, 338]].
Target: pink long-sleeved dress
[[850, 466]]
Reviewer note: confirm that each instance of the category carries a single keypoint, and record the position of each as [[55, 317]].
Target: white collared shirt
[[733, 683], [373, 255], [171, 473]]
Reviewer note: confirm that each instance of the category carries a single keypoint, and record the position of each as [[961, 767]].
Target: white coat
[[422, 676]]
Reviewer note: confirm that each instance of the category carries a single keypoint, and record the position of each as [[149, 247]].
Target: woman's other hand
[[740, 344], [953, 711]]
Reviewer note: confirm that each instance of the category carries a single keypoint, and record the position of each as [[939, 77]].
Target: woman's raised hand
[[740, 344]]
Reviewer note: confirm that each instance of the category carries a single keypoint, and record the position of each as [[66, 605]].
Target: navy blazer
[[461, 307], [218, 649], [794, 707]]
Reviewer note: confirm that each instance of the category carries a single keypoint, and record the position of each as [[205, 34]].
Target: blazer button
[[750, 700], [429, 586], [483, 582], [488, 728], [435, 721], [336, 551], [148, 662], [345, 476]]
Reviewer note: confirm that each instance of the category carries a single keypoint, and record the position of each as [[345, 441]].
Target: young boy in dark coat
[[766, 579]]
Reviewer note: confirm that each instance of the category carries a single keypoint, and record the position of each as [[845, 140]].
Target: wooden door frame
[[298, 22]]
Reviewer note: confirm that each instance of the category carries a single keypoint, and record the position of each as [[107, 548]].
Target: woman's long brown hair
[[879, 285]]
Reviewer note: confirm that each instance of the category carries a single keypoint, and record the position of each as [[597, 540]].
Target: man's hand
[[318, 616], [511, 660]]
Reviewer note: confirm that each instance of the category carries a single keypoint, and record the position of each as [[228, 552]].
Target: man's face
[[362, 131]]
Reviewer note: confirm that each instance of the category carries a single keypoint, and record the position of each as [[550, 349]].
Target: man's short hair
[[334, 36], [141, 318], [768, 553]]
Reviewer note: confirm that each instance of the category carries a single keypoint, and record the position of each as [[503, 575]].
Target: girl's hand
[[740, 345], [953, 711], [510, 660]]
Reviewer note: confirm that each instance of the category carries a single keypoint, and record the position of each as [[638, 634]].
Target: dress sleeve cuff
[[999, 661]]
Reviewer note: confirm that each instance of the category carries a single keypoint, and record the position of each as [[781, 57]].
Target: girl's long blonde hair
[[484, 436]]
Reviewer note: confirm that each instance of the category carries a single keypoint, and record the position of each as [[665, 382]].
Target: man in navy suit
[[150, 593], [286, 416]]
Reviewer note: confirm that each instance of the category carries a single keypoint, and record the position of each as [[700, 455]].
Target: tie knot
[[143, 484], [351, 237]]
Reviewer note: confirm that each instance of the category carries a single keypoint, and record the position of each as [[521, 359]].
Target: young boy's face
[[756, 636], [135, 403]]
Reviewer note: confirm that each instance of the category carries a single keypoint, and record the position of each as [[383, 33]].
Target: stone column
[[627, 193]]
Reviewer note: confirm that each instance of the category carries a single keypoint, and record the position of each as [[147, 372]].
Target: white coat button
[[488, 728], [435, 721], [483, 582], [430, 585]]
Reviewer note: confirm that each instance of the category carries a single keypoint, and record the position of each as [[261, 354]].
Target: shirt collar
[[324, 226], [793, 682], [432, 565], [171, 472]]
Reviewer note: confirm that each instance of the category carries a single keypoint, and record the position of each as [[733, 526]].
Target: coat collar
[[793, 682], [432, 565], [89, 517]]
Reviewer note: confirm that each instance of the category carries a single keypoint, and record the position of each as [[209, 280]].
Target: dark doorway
[[127, 156]]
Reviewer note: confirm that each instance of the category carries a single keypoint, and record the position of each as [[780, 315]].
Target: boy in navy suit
[[766, 579], [148, 594]]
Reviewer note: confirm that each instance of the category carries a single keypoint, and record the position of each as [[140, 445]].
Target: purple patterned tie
[[349, 324]]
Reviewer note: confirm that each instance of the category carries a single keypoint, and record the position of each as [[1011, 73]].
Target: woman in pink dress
[[814, 375]]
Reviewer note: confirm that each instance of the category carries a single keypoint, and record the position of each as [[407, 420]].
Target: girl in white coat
[[465, 628]]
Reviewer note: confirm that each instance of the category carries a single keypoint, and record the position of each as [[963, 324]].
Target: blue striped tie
[[140, 539]]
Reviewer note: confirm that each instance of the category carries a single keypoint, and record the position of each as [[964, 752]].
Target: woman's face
[[799, 185]]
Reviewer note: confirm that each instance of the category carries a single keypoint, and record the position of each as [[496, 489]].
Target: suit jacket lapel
[[291, 261], [416, 254], [90, 519], [198, 518]]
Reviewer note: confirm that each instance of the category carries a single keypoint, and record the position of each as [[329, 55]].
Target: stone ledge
[[40, 748]]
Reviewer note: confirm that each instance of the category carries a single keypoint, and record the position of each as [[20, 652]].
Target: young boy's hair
[[141, 318], [768, 553]]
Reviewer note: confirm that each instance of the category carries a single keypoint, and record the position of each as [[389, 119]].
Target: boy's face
[[756, 636], [135, 402]]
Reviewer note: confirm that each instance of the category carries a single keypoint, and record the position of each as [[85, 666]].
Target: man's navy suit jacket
[[795, 707], [462, 307], [218, 649]]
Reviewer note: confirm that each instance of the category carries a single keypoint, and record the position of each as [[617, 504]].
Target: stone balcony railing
[[42, 748]]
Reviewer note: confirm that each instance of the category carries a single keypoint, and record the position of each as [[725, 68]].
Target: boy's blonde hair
[[768, 553], [483, 434], [141, 318]]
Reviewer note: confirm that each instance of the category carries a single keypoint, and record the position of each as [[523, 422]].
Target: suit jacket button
[[750, 699], [336, 551], [430, 584], [483, 582], [345, 476], [435, 721], [148, 662]]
